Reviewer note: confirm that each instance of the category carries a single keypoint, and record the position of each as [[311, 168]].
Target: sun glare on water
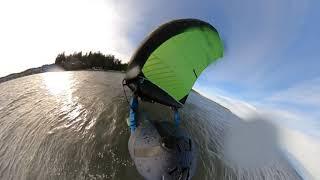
[[58, 83], [61, 85]]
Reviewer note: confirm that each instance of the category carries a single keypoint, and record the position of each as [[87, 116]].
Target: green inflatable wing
[[166, 65]]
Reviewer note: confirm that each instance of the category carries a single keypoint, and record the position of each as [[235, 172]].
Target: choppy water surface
[[71, 125]]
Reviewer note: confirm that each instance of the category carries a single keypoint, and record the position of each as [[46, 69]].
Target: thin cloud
[[305, 93], [256, 34], [296, 136], [304, 149]]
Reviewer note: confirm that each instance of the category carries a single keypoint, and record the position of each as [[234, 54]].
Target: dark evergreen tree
[[90, 60]]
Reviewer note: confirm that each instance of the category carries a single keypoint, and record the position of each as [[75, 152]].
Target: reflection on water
[[58, 82], [62, 85], [72, 125]]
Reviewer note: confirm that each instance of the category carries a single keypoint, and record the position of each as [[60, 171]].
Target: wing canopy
[[173, 57]]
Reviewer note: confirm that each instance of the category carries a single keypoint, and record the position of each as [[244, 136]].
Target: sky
[[270, 65]]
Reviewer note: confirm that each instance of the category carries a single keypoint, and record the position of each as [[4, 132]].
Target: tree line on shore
[[91, 60], [75, 61]]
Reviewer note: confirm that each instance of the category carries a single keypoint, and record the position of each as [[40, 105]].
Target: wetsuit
[[134, 103]]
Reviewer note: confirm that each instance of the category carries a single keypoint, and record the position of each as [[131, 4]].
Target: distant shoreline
[[31, 71], [47, 68], [92, 61]]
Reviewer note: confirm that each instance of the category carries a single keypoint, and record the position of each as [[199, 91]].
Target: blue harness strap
[[176, 117], [133, 113]]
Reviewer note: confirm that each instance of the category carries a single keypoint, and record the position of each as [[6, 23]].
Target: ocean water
[[72, 125]]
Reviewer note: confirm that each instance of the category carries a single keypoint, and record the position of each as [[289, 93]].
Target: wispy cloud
[[305, 93], [259, 37], [305, 150], [294, 110], [298, 136], [242, 109]]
